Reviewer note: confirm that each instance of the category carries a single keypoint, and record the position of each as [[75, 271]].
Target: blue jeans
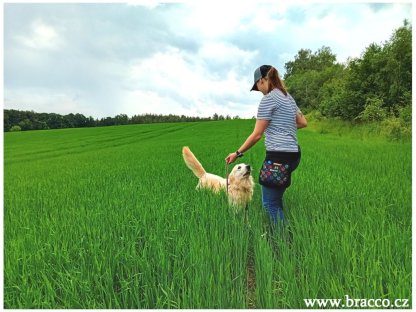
[[273, 203]]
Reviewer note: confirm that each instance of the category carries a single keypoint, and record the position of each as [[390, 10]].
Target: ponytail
[[274, 81]]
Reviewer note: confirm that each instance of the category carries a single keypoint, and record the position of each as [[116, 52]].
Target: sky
[[105, 59]]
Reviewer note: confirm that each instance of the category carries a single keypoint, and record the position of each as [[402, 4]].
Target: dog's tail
[[192, 162]]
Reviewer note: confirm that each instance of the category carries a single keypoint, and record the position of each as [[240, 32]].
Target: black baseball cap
[[259, 73]]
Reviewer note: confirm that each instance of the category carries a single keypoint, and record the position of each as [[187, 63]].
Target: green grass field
[[109, 218]]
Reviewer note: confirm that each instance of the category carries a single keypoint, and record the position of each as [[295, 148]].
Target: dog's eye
[[239, 167]]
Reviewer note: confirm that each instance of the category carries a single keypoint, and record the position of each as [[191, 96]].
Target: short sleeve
[[266, 107], [297, 109]]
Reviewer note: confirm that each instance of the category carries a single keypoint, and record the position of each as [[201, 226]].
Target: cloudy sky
[[193, 59]]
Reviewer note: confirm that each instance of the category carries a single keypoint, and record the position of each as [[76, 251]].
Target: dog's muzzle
[[248, 171]]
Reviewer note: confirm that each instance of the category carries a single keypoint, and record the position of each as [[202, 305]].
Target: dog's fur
[[240, 181]]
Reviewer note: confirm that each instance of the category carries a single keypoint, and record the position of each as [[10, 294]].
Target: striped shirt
[[281, 111]]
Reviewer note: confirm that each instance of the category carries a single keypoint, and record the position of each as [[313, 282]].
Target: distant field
[[109, 218]]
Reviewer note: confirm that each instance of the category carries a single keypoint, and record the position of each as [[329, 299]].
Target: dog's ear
[[231, 178]]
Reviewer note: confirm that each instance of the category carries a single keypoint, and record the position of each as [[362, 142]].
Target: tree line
[[16, 120], [375, 87]]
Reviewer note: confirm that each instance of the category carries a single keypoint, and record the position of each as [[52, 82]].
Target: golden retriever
[[240, 181]]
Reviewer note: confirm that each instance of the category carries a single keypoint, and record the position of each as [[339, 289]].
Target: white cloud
[[225, 54], [213, 20], [216, 20], [346, 29], [41, 36], [167, 71], [43, 100], [151, 4], [189, 86], [266, 19], [136, 102]]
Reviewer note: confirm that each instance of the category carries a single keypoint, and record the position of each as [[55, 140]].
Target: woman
[[278, 117]]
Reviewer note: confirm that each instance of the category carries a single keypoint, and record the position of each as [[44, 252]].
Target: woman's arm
[[301, 121], [252, 139]]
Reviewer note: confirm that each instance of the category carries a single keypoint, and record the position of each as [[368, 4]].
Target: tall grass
[[350, 214], [109, 218], [391, 128]]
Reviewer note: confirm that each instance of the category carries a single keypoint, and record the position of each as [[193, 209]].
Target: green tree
[[399, 66], [306, 61], [373, 110], [121, 119], [383, 72], [7, 124], [308, 73], [25, 124], [15, 129]]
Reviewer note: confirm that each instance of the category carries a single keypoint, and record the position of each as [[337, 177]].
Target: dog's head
[[240, 172], [241, 185]]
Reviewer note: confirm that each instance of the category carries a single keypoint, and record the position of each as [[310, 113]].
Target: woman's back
[[281, 111]]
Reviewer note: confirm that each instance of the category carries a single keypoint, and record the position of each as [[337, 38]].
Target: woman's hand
[[301, 120], [231, 158]]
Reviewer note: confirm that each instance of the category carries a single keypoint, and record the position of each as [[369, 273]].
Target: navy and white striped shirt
[[281, 111]]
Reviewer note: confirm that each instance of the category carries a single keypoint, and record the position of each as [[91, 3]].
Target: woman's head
[[266, 78]]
